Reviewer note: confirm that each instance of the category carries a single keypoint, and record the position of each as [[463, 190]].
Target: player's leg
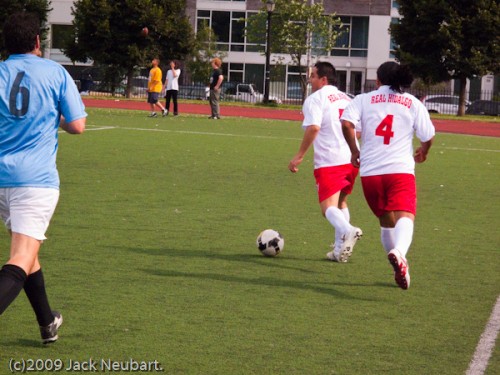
[[23, 252], [49, 321], [176, 104], [156, 96], [31, 210], [151, 102], [334, 186], [168, 97], [387, 223], [402, 201]]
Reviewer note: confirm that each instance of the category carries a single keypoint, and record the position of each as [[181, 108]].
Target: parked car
[[484, 107], [245, 92], [447, 104], [194, 92], [294, 90], [139, 85]]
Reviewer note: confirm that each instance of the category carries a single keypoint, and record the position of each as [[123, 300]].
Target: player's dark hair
[[394, 75], [325, 69], [20, 32], [176, 64]]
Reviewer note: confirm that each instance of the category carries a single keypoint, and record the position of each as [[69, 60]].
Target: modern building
[[365, 44]]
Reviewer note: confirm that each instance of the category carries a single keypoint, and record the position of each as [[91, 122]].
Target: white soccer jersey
[[324, 108], [387, 121]]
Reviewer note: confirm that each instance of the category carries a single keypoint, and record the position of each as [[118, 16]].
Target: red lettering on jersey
[[334, 97], [378, 99], [400, 99]]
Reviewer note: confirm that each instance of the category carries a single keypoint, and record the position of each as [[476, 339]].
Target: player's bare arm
[[350, 137], [421, 152], [309, 137], [74, 127]]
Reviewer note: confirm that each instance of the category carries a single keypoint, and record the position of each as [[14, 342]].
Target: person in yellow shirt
[[154, 87]]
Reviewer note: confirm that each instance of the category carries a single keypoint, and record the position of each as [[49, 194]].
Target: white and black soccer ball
[[270, 243]]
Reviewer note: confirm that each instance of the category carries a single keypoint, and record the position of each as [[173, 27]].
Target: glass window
[[353, 40], [359, 34], [393, 46], [220, 25], [229, 27], [238, 30], [254, 73], [395, 4], [60, 34]]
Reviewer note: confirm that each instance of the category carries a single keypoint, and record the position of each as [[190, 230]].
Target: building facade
[[365, 44]]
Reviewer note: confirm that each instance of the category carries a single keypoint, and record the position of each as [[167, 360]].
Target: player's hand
[[294, 163], [420, 156], [355, 159]]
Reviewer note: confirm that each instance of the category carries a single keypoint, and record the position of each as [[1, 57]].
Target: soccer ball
[[270, 243]]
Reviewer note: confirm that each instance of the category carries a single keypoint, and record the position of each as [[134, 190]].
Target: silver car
[[447, 104]]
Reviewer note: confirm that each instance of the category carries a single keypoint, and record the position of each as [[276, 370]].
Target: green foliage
[[298, 29], [448, 39], [109, 33], [205, 49], [151, 255], [39, 7]]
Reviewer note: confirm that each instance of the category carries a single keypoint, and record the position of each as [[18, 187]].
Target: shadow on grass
[[331, 289], [279, 262], [26, 343], [284, 262]]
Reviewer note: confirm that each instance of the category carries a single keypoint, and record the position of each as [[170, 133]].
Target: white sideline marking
[[90, 129], [260, 136], [467, 149], [209, 133], [486, 343]]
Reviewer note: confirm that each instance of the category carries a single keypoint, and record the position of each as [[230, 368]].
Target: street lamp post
[[270, 9]]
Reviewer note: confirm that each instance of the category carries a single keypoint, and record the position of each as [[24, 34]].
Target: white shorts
[[28, 210]]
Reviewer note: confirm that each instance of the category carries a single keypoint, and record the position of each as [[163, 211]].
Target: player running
[[387, 119], [37, 97], [333, 170]]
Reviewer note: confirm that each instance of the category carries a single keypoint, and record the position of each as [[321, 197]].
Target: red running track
[[459, 126]]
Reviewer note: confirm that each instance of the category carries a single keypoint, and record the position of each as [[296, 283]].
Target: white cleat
[[344, 251]]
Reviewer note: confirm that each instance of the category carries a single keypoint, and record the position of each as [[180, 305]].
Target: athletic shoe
[[401, 268], [331, 254], [165, 113], [154, 114], [49, 333], [214, 118], [344, 250]]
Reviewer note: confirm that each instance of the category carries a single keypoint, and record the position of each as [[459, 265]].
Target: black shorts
[[153, 97]]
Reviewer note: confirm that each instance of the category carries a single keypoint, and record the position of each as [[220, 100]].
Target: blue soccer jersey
[[34, 92]]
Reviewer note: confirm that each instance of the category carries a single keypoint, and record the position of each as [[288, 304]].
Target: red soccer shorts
[[390, 192], [330, 180]]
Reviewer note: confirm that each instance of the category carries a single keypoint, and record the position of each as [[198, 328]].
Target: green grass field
[[151, 256]]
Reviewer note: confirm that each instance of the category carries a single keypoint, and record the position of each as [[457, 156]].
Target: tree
[[205, 49], [299, 28], [40, 7], [449, 39], [109, 33]]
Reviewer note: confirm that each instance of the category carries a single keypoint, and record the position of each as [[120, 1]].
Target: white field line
[[486, 343], [262, 137]]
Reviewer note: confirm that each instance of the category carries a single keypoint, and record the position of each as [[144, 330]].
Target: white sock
[[387, 238], [346, 213], [337, 219], [403, 235]]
